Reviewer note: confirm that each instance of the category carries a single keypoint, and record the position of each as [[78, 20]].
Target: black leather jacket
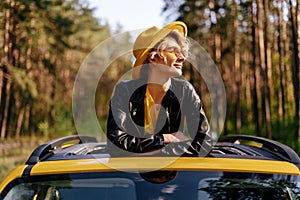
[[181, 111]]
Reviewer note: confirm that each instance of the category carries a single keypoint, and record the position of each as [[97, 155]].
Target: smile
[[178, 66]]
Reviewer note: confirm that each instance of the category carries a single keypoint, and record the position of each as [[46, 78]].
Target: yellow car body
[[107, 172]]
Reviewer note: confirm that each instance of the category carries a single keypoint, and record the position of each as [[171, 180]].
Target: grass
[[14, 153], [8, 163]]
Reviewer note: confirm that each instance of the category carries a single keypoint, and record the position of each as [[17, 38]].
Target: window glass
[[100, 188], [157, 185], [248, 188]]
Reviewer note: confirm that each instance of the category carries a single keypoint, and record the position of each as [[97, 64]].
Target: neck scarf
[[151, 112]]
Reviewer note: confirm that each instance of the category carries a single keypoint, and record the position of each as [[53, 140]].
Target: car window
[[248, 188], [156, 185], [100, 188]]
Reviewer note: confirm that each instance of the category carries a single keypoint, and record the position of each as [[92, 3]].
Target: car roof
[[236, 146], [132, 164], [84, 154], [236, 153]]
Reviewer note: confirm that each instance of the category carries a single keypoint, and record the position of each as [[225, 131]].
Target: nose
[[181, 57]]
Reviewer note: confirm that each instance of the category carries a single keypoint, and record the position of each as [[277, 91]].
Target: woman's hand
[[175, 137]]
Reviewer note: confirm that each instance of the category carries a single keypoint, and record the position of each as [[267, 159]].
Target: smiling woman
[[165, 112], [129, 14]]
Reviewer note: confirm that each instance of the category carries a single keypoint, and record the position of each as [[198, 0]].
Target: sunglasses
[[177, 51]]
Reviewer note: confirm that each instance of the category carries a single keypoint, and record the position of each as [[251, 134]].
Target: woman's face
[[170, 62]]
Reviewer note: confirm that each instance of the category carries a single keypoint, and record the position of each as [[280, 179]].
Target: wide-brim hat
[[148, 39]]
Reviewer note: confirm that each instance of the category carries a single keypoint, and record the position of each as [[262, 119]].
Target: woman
[[152, 111]]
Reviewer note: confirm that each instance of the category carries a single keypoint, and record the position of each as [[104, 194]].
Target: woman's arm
[[122, 132], [197, 122]]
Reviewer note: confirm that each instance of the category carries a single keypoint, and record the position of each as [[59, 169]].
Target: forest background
[[254, 43]]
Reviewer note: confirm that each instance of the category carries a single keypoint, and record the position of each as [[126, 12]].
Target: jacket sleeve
[[124, 136], [197, 122]]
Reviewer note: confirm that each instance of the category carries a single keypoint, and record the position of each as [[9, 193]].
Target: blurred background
[[254, 43]]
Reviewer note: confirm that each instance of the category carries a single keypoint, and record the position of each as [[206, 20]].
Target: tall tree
[[254, 40], [295, 65], [43, 43], [237, 68], [6, 61]]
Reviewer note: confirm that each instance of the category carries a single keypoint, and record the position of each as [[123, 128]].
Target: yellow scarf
[[150, 113]]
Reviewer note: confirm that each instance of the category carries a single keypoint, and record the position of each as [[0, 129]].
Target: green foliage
[[27, 86], [63, 123], [282, 131], [47, 41], [285, 134], [229, 31], [45, 44], [43, 127]]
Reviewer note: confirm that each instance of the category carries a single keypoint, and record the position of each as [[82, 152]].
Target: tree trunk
[[20, 122], [6, 109], [6, 78], [281, 28], [237, 71], [268, 70], [254, 69], [295, 70], [264, 74]]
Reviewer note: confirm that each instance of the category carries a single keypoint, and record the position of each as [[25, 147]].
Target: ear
[[152, 58], [155, 57]]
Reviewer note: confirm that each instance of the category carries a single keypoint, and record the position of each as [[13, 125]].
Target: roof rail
[[280, 150], [46, 150]]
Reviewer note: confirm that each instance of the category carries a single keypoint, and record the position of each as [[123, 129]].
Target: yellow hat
[[148, 39]]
